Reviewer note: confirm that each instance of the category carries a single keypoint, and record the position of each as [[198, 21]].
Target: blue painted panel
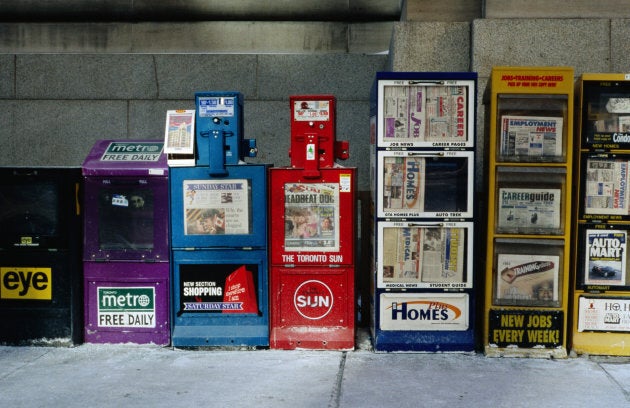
[[238, 201], [201, 315]]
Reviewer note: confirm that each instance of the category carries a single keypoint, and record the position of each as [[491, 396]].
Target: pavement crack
[[614, 380], [335, 396]]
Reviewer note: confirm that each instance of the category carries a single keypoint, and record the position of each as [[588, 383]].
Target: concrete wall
[[54, 107], [64, 86], [587, 45]]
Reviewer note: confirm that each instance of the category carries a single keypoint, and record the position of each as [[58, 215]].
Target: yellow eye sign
[[25, 283]]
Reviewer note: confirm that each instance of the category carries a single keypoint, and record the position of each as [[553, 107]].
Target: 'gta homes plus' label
[[126, 307]]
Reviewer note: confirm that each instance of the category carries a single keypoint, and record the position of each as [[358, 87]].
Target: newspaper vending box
[[219, 233], [601, 301], [423, 161], [40, 255], [529, 212], [125, 253], [312, 208]]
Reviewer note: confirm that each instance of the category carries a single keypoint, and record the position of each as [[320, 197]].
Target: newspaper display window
[[605, 187], [126, 218], [530, 200], [311, 217], [605, 261], [531, 128], [217, 207], [425, 255], [425, 184], [528, 272], [426, 113], [605, 114]]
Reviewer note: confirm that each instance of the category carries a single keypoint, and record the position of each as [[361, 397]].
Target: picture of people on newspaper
[[216, 207], [206, 222], [311, 216], [528, 280]]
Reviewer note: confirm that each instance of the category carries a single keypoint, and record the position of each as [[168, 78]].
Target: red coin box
[[313, 308]]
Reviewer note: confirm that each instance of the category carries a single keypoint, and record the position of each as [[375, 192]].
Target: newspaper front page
[[606, 186], [535, 136], [216, 207], [529, 208], [421, 255], [311, 217], [527, 279], [425, 113], [180, 128], [403, 183]]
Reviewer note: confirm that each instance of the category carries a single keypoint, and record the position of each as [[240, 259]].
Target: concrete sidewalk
[[92, 375]]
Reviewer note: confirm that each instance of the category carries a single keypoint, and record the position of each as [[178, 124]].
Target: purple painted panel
[[127, 302], [127, 158], [126, 201]]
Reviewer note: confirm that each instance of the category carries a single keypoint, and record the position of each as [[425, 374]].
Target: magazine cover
[[180, 127], [179, 138], [529, 208], [311, 217], [425, 113], [527, 279], [606, 186], [415, 254], [216, 207], [605, 257], [536, 136], [403, 183]]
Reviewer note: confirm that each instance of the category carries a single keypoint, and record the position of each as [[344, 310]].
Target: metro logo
[[126, 307], [25, 283], [126, 299]]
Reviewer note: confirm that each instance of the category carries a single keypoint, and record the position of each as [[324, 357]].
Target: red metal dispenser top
[[313, 134]]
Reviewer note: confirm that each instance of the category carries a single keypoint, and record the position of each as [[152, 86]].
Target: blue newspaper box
[[219, 234]]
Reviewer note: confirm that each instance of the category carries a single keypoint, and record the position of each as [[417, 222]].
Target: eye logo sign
[[25, 283]]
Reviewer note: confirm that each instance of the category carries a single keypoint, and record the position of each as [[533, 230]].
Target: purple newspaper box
[[126, 247]]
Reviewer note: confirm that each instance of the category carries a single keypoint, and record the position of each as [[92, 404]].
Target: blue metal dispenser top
[[219, 131]]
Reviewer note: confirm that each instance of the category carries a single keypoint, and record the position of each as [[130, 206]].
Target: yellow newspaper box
[[601, 308], [529, 212]]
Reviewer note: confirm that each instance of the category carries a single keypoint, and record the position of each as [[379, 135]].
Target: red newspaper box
[[312, 213], [313, 141]]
